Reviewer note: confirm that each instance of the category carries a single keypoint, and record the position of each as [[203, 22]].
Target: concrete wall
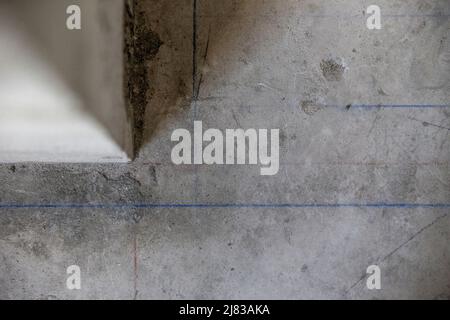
[[80, 72], [261, 64]]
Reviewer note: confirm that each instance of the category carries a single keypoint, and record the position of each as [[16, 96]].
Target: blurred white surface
[[42, 116]]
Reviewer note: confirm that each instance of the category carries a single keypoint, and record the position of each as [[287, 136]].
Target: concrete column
[[62, 91]]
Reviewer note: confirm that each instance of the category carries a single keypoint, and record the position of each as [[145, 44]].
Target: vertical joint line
[[194, 50], [194, 81]]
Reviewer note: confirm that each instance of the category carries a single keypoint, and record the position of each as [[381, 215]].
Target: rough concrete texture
[[301, 66]]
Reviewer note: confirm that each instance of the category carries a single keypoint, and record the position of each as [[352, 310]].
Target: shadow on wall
[[186, 29]]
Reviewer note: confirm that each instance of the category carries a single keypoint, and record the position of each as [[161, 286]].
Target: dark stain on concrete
[[310, 107], [141, 46], [332, 70], [39, 249], [34, 248]]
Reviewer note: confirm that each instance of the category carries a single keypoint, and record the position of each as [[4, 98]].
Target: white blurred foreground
[[61, 91]]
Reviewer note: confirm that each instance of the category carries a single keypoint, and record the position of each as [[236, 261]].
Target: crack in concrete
[[403, 244]]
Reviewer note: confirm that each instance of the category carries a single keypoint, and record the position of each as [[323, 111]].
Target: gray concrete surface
[[304, 67]]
